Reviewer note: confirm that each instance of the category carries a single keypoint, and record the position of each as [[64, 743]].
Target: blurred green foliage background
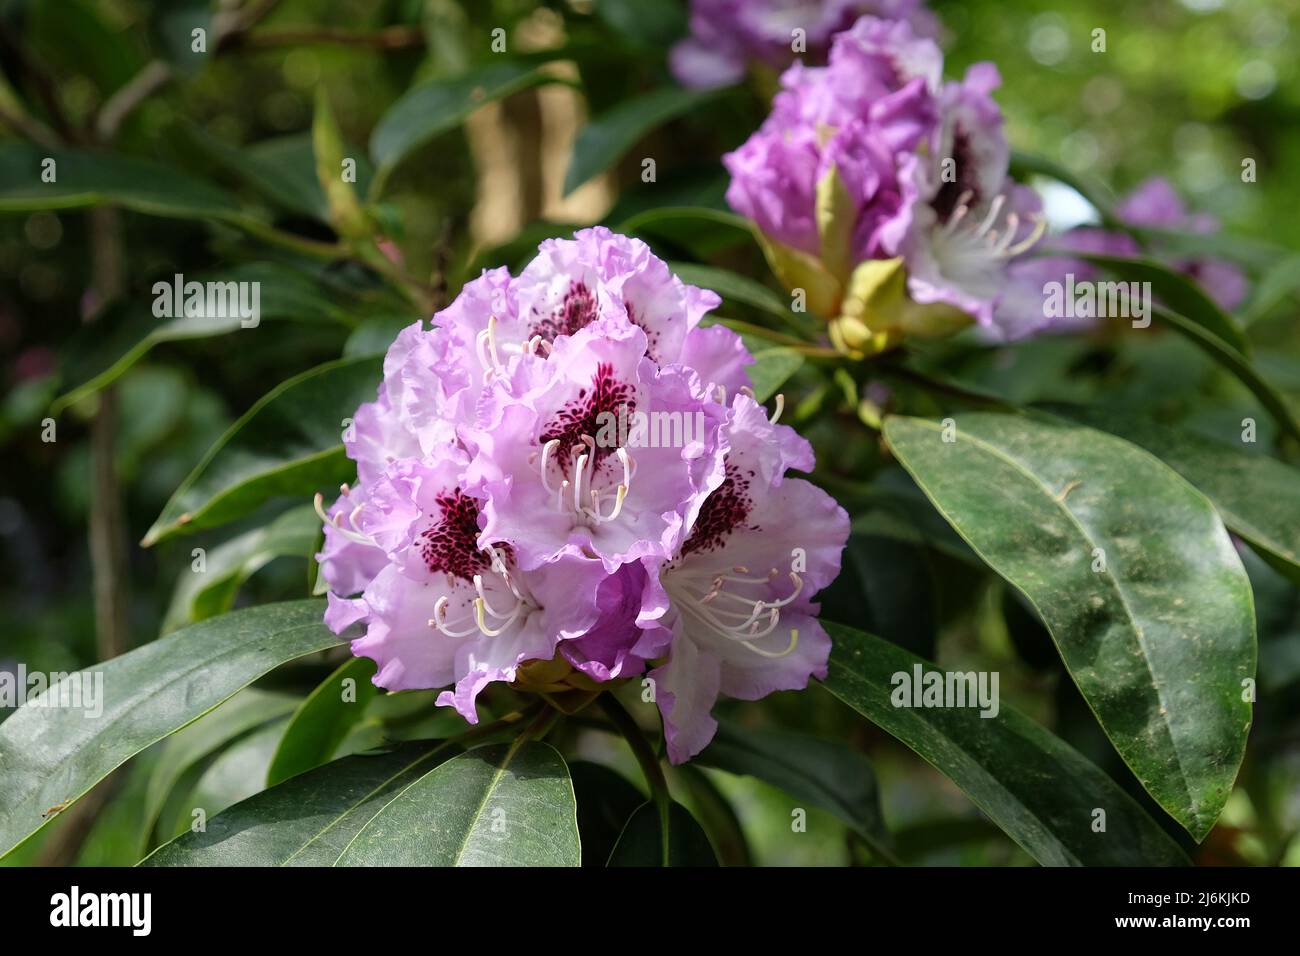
[[1185, 89]]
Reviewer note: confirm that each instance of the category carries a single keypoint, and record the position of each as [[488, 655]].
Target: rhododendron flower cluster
[[727, 36], [883, 191], [569, 467]]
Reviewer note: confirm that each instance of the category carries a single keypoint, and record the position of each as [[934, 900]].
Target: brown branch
[[122, 103], [108, 548], [30, 127], [390, 38]]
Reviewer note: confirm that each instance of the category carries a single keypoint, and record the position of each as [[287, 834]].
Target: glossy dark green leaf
[[186, 749], [289, 443], [500, 805], [374, 335], [1280, 283], [652, 24], [655, 217], [1257, 496], [305, 821], [715, 815], [771, 368], [89, 179], [886, 586], [1178, 292], [1134, 575], [237, 773], [605, 138], [1237, 364], [649, 840], [434, 108], [606, 799], [733, 287], [101, 355], [825, 773], [201, 594], [324, 719], [1039, 790], [50, 756]]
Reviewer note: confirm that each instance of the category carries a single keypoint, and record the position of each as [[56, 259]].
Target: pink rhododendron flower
[[556, 471], [727, 35], [920, 172]]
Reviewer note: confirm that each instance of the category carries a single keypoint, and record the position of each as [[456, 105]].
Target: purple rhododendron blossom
[[861, 116], [727, 35], [924, 165], [568, 467]]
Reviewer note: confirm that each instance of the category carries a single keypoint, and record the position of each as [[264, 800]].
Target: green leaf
[[605, 138], [1033, 785], [1237, 364], [203, 594], [237, 773], [770, 370], [431, 109], [1178, 292], [50, 756], [97, 359], [649, 840], [837, 215], [88, 179], [799, 271], [733, 287], [1256, 495], [825, 773], [647, 24], [715, 815], [185, 750], [1025, 164], [281, 170], [605, 801], [345, 213], [323, 720], [1279, 283], [289, 443], [1132, 572], [655, 217], [374, 335], [500, 805], [887, 586], [305, 821]]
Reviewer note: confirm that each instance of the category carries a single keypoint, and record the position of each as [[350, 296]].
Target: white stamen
[[439, 619], [546, 458], [779, 401], [760, 616], [995, 207], [337, 522]]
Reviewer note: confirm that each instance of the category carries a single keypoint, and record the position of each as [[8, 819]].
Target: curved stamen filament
[[577, 480], [759, 618], [478, 586], [999, 243], [620, 495], [439, 620], [1040, 226], [959, 212], [479, 606], [794, 642], [547, 451], [337, 522], [995, 208], [779, 401]]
